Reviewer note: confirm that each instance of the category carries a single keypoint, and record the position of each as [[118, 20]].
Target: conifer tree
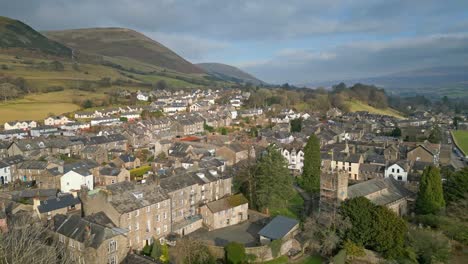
[[310, 180], [430, 196]]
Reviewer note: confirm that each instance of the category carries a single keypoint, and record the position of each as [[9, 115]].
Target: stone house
[[424, 153], [110, 175], [56, 120], [346, 162], [235, 152], [89, 242], [128, 161], [65, 204], [230, 210], [23, 125], [142, 209], [96, 153]]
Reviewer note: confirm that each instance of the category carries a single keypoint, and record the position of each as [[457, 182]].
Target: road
[[456, 162]]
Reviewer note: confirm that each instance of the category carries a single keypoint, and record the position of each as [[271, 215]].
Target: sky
[[278, 41]]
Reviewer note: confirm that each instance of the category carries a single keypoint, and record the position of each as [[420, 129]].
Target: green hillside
[[356, 106], [124, 43], [15, 34], [229, 73]]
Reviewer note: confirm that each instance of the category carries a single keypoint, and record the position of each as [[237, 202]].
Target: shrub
[[235, 253]]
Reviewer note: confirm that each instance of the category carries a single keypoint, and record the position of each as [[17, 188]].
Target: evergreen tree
[[435, 136], [396, 132], [273, 183], [310, 180], [430, 196]]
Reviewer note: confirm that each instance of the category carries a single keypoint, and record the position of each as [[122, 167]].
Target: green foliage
[[123, 119], [253, 132], [87, 104], [208, 128], [138, 172], [353, 250], [435, 136], [224, 131], [164, 258], [273, 184], [146, 250], [456, 186], [430, 246], [430, 196], [275, 246], [374, 227], [156, 251], [396, 132], [296, 125], [235, 253], [310, 179]]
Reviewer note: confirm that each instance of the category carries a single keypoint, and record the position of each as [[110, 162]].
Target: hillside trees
[[374, 227], [189, 251], [430, 196], [8, 91], [310, 179], [296, 125], [435, 136], [456, 186]]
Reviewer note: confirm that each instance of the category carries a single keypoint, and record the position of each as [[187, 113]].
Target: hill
[[122, 43], [356, 106], [451, 81], [16, 35], [229, 73]]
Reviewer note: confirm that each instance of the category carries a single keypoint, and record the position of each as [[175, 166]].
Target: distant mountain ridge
[[229, 73], [15, 34], [433, 81], [123, 43]]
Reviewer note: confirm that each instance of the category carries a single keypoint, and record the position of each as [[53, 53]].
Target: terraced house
[[142, 209]]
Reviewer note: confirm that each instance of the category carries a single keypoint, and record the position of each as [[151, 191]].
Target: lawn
[[293, 209], [139, 172], [461, 139], [355, 106], [39, 106]]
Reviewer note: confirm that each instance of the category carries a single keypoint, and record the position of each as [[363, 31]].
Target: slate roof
[[13, 160], [127, 158], [279, 227], [125, 196], [53, 204], [390, 190], [33, 165], [109, 171], [227, 202], [77, 228]]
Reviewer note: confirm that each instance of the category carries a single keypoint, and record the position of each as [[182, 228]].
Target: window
[[165, 228], [165, 215], [112, 181], [400, 178], [393, 170], [157, 205], [113, 260], [112, 246], [148, 209], [137, 226], [129, 216], [62, 238], [137, 212], [72, 244], [148, 225], [129, 227], [398, 170], [158, 231], [158, 218]]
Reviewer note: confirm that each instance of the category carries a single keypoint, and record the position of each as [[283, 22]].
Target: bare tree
[[190, 251], [28, 242], [8, 90]]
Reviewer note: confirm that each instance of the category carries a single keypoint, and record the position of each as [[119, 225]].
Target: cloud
[[363, 59]]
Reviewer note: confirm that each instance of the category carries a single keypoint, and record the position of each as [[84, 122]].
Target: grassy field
[[293, 209], [355, 106], [461, 139], [39, 106]]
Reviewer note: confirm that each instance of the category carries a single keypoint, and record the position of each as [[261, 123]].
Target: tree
[[430, 246], [161, 85], [273, 184], [455, 121], [310, 180], [396, 132], [435, 136], [8, 91], [296, 125], [456, 186], [28, 242], [375, 227], [430, 196], [189, 251], [164, 258], [156, 250], [224, 131], [87, 104], [57, 66], [235, 253]]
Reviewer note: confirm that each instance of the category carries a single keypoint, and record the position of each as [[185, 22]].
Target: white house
[[142, 96], [131, 115], [74, 179], [194, 107], [398, 170], [295, 159], [23, 125], [236, 102], [174, 108], [105, 120], [5, 173], [56, 120]]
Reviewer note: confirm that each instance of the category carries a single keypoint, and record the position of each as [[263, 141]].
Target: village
[[108, 183]]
